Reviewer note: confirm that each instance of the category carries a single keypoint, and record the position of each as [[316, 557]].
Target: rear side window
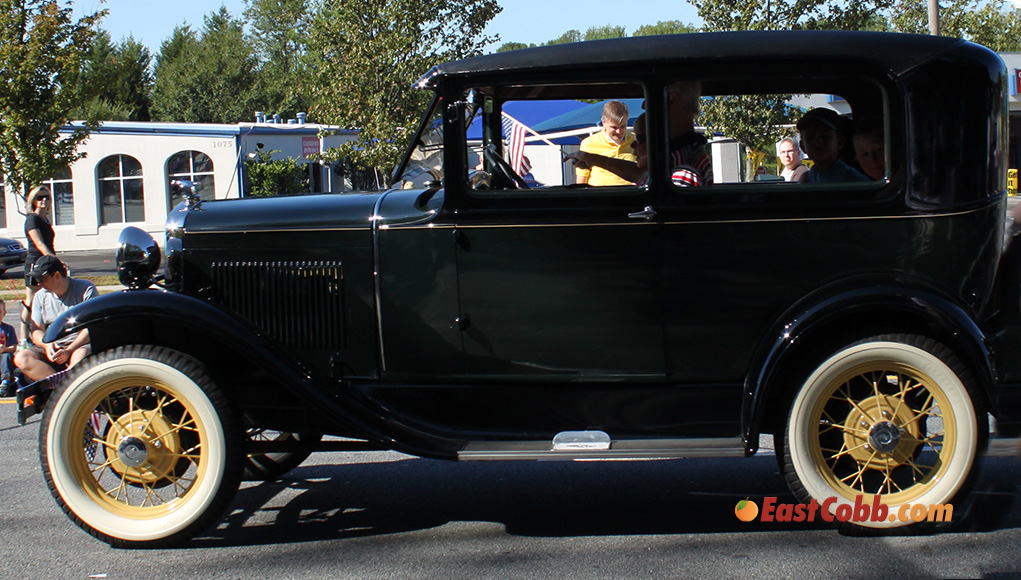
[[818, 138]]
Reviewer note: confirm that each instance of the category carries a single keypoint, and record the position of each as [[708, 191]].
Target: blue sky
[[527, 21]]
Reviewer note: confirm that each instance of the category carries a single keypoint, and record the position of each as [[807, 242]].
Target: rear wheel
[[139, 447], [891, 416]]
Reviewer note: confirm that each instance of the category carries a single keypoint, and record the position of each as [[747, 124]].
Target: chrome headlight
[[138, 258]]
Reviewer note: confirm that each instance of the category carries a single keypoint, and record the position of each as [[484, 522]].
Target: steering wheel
[[503, 168]]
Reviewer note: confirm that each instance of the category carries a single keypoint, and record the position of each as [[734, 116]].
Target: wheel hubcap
[[884, 436], [132, 451], [881, 432], [148, 446]]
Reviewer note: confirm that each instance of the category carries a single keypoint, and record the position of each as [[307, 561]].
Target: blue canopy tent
[[582, 118], [530, 113]]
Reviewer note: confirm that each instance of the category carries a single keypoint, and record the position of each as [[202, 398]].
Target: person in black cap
[[59, 293], [822, 137]]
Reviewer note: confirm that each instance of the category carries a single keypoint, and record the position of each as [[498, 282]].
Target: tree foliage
[[363, 56], [42, 57], [605, 32], [991, 23], [267, 176], [508, 46], [566, 38], [124, 75], [720, 15], [665, 27], [209, 79], [279, 32]]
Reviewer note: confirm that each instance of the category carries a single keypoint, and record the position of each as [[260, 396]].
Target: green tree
[[124, 73], [991, 23], [279, 32], [362, 53], [42, 57], [509, 46], [604, 32], [665, 27], [267, 176], [566, 38], [719, 15], [212, 79]]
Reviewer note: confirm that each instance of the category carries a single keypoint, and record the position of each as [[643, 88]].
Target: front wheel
[[139, 447], [893, 417]]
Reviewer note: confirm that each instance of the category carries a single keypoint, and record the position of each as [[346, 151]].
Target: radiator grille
[[300, 304]]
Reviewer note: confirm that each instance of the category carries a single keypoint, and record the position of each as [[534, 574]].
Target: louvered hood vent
[[300, 304]]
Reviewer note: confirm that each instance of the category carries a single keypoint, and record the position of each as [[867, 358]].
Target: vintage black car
[[870, 327]]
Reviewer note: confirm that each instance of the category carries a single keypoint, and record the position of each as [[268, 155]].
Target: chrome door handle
[[647, 214]]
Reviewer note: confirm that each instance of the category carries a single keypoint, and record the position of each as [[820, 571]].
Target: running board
[[599, 449]]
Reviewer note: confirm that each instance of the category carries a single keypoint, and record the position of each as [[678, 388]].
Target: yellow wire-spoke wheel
[[879, 429], [139, 447], [891, 417], [152, 452]]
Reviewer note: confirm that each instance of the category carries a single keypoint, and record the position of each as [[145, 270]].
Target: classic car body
[[459, 315]]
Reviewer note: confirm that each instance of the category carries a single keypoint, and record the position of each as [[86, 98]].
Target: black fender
[[855, 314], [198, 328]]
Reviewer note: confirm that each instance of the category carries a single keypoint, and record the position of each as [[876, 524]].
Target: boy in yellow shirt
[[613, 141]]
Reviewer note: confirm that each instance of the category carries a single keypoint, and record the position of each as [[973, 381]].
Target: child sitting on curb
[[8, 345]]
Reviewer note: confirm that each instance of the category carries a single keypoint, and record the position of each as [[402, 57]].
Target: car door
[[562, 285]]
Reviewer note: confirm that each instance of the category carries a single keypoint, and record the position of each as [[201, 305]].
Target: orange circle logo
[[746, 510]]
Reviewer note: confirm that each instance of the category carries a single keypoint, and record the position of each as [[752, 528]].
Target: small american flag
[[514, 132], [92, 432]]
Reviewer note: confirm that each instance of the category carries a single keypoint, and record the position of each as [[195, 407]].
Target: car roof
[[893, 51]]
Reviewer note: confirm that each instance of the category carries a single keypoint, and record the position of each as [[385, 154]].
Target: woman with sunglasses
[[39, 234]]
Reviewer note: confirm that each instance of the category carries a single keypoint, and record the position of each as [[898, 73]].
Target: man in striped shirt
[[690, 163]]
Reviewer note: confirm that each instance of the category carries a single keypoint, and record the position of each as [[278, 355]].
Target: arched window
[[120, 190], [191, 166], [62, 189]]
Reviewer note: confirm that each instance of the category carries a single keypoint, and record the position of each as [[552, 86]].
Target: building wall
[[153, 145]]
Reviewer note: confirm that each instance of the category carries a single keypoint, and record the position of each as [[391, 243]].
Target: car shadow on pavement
[[553, 499]]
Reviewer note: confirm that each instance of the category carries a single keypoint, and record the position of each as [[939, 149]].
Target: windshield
[[424, 168]]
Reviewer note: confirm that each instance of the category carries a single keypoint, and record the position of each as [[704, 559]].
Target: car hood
[[305, 212], [262, 214]]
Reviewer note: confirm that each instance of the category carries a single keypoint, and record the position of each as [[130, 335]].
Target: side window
[[190, 166], [120, 190], [62, 188], [835, 134], [580, 140]]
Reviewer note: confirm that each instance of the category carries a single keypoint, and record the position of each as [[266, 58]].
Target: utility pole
[[934, 17]]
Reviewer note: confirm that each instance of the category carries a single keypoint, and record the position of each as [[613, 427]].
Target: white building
[[125, 177]]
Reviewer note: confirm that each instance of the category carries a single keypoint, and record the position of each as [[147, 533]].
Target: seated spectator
[[822, 137], [870, 147], [8, 346], [790, 157], [613, 141], [59, 293]]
